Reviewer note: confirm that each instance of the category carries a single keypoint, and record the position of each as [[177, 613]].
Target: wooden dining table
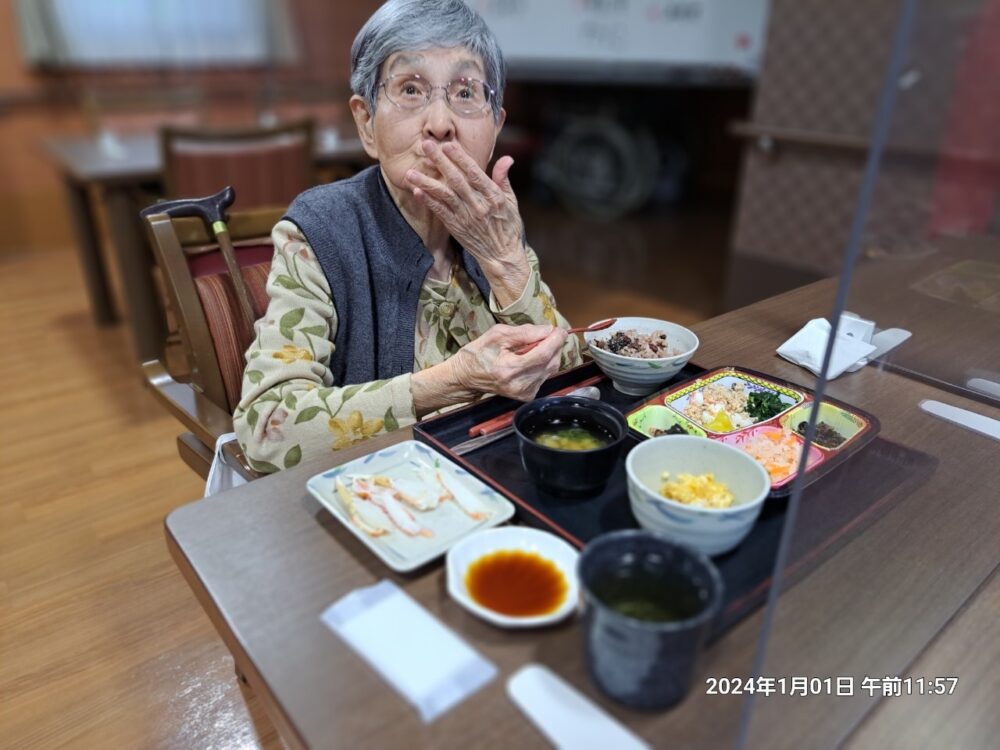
[[110, 173], [911, 592]]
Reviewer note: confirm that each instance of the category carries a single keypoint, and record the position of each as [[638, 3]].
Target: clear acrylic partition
[[883, 624]]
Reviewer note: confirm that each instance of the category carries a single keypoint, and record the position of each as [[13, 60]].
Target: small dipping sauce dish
[[514, 576]]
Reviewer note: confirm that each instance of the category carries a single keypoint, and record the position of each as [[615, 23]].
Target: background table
[[914, 590], [119, 172]]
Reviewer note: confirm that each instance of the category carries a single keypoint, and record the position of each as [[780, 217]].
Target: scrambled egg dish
[[701, 490]]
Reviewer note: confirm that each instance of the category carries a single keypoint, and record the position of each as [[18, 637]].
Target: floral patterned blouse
[[290, 406]]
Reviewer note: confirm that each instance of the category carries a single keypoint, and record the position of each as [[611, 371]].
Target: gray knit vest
[[375, 264]]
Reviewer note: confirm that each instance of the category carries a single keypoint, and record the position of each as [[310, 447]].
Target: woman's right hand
[[490, 365]]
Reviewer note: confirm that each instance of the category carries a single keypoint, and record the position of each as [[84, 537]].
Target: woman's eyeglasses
[[465, 96]]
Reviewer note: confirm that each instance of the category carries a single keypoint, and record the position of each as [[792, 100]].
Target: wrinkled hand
[[480, 211], [489, 363]]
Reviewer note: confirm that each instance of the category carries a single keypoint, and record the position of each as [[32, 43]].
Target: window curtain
[[41, 41], [156, 33]]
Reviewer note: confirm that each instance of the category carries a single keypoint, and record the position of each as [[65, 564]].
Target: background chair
[[214, 333], [266, 166]]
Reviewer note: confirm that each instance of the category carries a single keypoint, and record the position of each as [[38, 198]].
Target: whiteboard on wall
[[615, 35]]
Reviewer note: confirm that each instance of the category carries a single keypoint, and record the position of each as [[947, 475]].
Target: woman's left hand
[[480, 212]]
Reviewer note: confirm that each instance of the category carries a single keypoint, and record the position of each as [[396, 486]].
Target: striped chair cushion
[[230, 335]]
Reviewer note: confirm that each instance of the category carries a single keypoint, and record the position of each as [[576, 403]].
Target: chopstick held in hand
[[582, 329]]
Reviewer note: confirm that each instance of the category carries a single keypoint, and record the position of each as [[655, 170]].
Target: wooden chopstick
[[507, 418], [600, 326]]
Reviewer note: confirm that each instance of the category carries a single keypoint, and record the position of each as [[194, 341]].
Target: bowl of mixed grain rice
[[640, 354]]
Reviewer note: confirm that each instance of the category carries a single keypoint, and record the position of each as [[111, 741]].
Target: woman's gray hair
[[402, 25]]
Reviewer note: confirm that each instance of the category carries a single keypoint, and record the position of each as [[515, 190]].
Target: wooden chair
[[266, 166], [214, 331]]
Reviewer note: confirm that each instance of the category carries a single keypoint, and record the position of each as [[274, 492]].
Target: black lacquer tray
[[837, 506]]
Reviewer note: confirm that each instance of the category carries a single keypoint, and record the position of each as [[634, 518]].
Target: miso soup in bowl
[[569, 445]]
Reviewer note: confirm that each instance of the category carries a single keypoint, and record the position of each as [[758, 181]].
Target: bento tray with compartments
[[776, 440]]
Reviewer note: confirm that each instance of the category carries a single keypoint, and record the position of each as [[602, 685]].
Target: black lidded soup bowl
[[570, 473]]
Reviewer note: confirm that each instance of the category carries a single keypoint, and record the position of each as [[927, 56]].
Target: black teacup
[[649, 605]]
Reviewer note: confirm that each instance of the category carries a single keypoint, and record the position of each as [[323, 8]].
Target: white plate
[[412, 466], [546, 545]]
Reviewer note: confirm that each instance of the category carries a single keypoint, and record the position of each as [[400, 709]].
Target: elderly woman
[[409, 287]]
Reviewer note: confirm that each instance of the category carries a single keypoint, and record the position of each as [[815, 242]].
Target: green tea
[[648, 597]]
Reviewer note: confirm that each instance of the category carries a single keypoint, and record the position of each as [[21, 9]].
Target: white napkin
[[884, 341], [567, 717], [807, 346], [423, 660], [110, 145], [222, 476]]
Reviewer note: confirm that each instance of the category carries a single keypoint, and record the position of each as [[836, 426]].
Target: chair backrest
[[266, 166], [203, 295]]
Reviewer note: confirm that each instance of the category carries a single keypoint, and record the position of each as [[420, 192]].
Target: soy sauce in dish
[[646, 596], [570, 435], [516, 583]]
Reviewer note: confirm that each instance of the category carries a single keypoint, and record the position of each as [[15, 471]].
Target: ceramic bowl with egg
[[711, 530], [640, 354]]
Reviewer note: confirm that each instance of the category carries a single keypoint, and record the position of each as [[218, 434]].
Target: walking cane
[[212, 210]]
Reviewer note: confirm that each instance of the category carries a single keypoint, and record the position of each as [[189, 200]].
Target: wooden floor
[[101, 642]]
